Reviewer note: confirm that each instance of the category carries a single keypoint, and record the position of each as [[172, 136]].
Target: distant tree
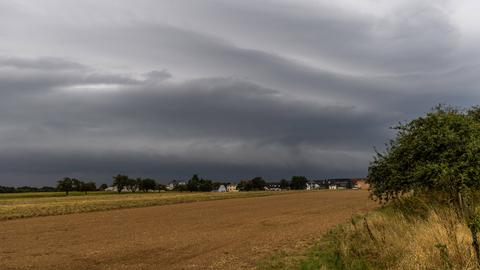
[[4, 189], [205, 185], [26, 189], [199, 184], [77, 184], [103, 187], [65, 185], [180, 188], [137, 184], [298, 182], [258, 183], [46, 189], [216, 185], [244, 185], [88, 186], [120, 181], [284, 184], [148, 184], [193, 183], [161, 187]]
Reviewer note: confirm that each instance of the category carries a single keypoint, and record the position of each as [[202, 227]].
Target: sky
[[228, 90]]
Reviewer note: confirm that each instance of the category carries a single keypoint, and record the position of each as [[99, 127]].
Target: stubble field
[[222, 234], [23, 205]]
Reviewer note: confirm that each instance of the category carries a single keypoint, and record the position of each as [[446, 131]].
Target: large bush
[[436, 153]]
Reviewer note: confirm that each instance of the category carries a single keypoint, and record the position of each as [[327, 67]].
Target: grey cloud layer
[[225, 89]]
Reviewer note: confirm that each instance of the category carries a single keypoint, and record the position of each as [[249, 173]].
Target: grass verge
[[29, 205], [411, 234]]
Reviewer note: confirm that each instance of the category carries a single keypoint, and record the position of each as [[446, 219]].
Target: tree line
[[5, 189], [258, 183], [138, 184], [68, 184], [124, 182]]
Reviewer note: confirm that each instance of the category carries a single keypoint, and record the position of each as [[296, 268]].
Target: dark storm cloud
[[212, 124], [226, 89]]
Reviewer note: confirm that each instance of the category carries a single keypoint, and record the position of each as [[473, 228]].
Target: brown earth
[[227, 234]]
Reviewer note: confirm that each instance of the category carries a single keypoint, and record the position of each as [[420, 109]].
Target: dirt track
[[227, 234]]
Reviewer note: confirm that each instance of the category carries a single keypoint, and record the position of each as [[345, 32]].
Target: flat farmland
[[23, 205], [220, 234]]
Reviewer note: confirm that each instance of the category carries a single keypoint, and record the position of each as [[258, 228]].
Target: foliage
[[438, 152], [257, 183], [180, 188], [121, 181], [148, 184], [73, 184], [88, 186], [103, 187], [23, 189], [197, 184], [66, 184], [161, 187], [298, 182], [284, 184]]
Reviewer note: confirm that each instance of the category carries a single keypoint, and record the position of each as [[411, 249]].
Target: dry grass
[[28, 205], [410, 235]]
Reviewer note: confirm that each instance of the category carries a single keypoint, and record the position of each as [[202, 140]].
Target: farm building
[[173, 184], [334, 183], [222, 188], [232, 188], [273, 186], [361, 183], [312, 185]]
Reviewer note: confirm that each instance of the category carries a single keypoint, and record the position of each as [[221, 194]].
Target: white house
[[172, 185], [222, 188], [232, 188], [312, 185], [111, 189]]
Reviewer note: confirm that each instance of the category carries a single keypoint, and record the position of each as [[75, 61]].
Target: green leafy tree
[[148, 184], [65, 185], [193, 183], [120, 181], [284, 184], [205, 185], [438, 154], [181, 188], [216, 185], [87, 186], [161, 187], [244, 185], [258, 183], [132, 184], [298, 182], [103, 187], [199, 184], [76, 184]]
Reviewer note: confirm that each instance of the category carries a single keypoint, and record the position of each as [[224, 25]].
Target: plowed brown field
[[227, 234]]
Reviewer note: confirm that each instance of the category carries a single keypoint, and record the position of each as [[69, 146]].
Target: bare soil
[[227, 234]]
